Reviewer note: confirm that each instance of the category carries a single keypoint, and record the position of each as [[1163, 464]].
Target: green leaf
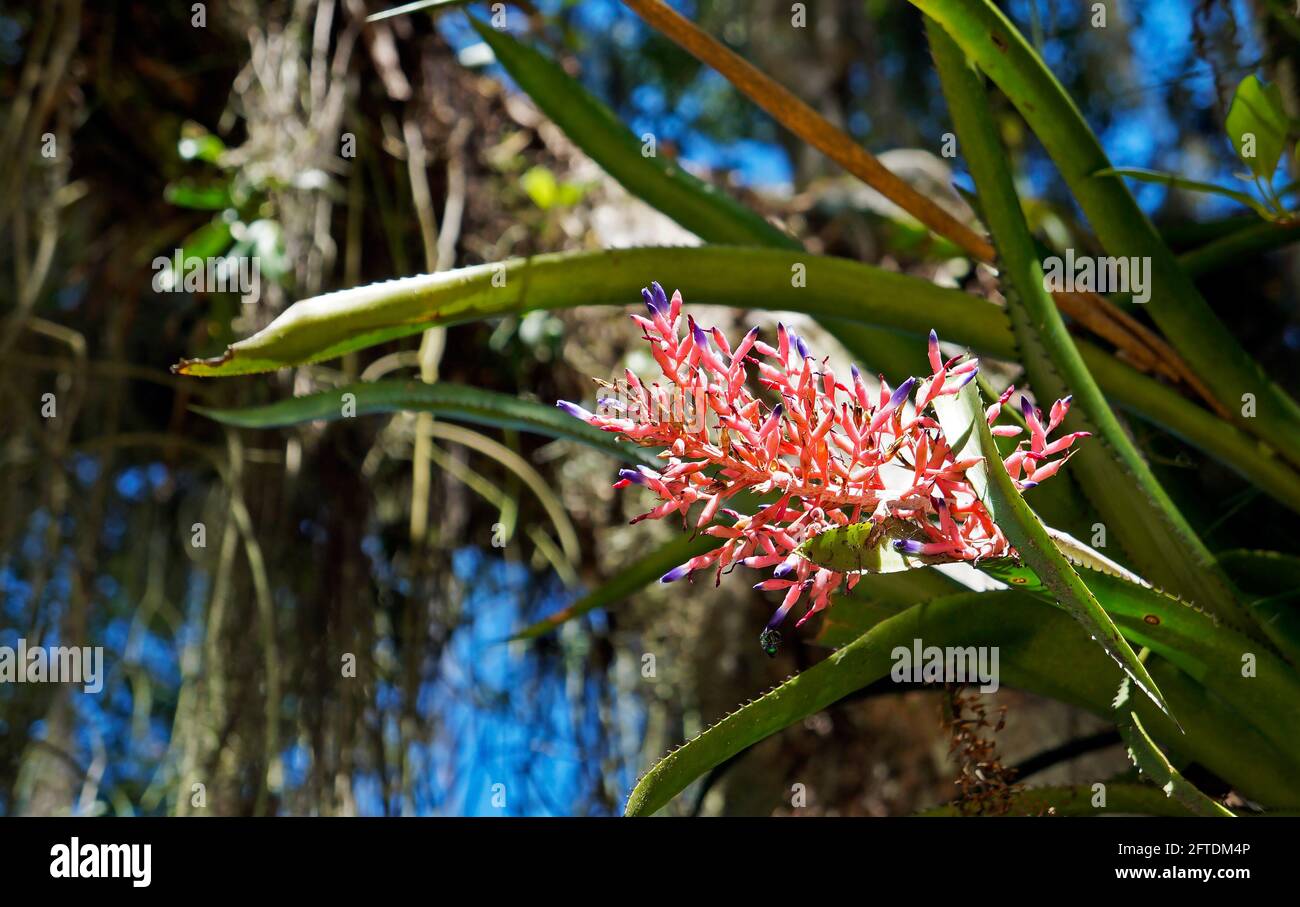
[[211, 239], [1181, 633], [698, 206], [1179, 182], [456, 402], [989, 39], [1176, 630], [1154, 764], [1272, 582], [693, 203], [327, 326], [1264, 573], [858, 664], [1108, 466], [963, 415], [1041, 652], [1230, 249], [1257, 125], [1166, 408]]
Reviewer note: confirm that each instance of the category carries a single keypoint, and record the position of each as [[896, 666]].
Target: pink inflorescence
[[835, 453]]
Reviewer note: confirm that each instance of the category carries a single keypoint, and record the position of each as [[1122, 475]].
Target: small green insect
[[770, 640]]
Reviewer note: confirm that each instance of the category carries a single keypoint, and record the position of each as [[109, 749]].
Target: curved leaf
[[706, 211], [699, 207], [457, 402], [1272, 580], [1109, 466], [1269, 699], [962, 417], [1041, 651], [1158, 404], [1185, 636], [1257, 124], [1180, 182], [327, 326], [1230, 249], [1174, 629], [1155, 764], [989, 38]]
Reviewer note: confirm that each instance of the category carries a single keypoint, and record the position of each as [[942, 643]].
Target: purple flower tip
[[970, 376], [908, 546], [1024, 485], [897, 398], [782, 569], [778, 411], [700, 335], [801, 346], [753, 332], [934, 338], [675, 574], [661, 298], [632, 475], [573, 409], [857, 375], [649, 300], [1026, 407]]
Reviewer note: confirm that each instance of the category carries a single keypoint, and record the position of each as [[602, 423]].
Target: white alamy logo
[[103, 861], [1092, 274], [53, 664], [950, 664], [215, 274]]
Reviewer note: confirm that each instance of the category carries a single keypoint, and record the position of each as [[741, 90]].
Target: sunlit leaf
[[1257, 125], [1155, 764], [963, 415]]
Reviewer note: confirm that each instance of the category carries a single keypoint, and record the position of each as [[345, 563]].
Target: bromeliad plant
[[850, 495], [832, 455]]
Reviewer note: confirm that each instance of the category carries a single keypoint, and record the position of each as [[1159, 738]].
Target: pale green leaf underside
[[327, 326]]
